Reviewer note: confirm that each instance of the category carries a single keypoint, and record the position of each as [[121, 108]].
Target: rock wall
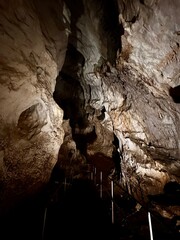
[[150, 57], [126, 92], [33, 39], [134, 93]]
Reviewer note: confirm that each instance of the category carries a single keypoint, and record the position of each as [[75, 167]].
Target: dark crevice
[[102, 116], [134, 19], [170, 197], [69, 96], [112, 29], [68, 92], [74, 62], [142, 2], [117, 157], [174, 92], [82, 140], [77, 10]]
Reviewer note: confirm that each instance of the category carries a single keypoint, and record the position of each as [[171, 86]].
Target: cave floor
[[77, 211]]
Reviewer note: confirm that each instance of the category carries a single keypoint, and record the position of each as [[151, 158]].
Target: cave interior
[[118, 122]]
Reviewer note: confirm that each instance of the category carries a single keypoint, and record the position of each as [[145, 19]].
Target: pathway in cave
[[76, 210], [78, 213]]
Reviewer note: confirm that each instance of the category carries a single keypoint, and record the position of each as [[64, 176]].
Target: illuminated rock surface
[[72, 77]]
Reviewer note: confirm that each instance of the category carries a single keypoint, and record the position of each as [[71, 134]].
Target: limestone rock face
[[135, 92], [122, 60], [150, 126], [33, 42], [151, 39]]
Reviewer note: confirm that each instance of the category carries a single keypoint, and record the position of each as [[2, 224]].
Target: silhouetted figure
[[116, 156], [117, 163]]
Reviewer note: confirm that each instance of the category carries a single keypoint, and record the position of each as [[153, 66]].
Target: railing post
[[44, 223], [65, 183], [95, 175], [112, 202], [91, 176], [101, 184], [150, 226]]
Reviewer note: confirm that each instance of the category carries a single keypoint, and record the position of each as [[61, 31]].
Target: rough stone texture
[[31, 55], [135, 93], [150, 127], [151, 39], [129, 97], [70, 159]]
